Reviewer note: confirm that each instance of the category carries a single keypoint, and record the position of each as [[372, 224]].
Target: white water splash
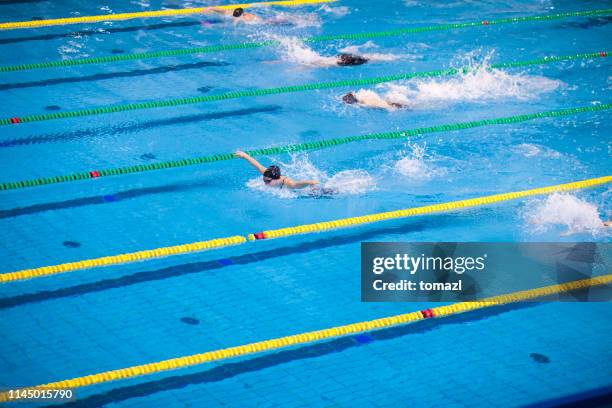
[[340, 11], [533, 150], [296, 20], [415, 164], [566, 210], [480, 83], [351, 182], [346, 182], [295, 51], [258, 185]]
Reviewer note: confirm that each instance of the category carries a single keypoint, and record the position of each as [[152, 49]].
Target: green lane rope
[[281, 90], [248, 45], [301, 147]]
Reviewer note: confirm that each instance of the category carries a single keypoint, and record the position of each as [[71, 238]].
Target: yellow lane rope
[[147, 14], [300, 229], [122, 258], [409, 212], [318, 335]]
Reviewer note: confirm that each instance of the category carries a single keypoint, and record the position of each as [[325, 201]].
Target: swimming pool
[[100, 319]]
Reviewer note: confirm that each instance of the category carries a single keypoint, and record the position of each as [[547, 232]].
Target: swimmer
[[371, 100], [272, 175], [238, 14], [345, 60]]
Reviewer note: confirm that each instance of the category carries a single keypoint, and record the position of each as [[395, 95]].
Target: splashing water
[[335, 11], [414, 164], [300, 167], [295, 51], [258, 185], [351, 182], [480, 83], [346, 182], [562, 209], [356, 49], [532, 150], [296, 20]]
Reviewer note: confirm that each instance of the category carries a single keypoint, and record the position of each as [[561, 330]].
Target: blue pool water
[[91, 321]]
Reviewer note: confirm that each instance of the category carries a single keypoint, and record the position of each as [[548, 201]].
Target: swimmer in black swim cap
[[238, 14], [272, 175], [351, 59], [349, 99]]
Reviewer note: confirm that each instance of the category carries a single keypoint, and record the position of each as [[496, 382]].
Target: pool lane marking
[[101, 110], [319, 335], [123, 258], [249, 45], [428, 209], [295, 230], [299, 147], [148, 14]]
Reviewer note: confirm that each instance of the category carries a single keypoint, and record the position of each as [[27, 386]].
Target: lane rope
[[428, 209], [148, 14], [300, 147], [319, 335], [250, 45], [101, 110], [299, 229], [123, 258]]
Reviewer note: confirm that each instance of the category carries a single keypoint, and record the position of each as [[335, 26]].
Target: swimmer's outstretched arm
[[254, 163], [299, 183]]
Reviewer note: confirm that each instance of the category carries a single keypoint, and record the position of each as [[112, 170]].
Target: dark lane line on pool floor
[[87, 33], [135, 127], [113, 75], [595, 398], [229, 370], [102, 199], [10, 2], [585, 25], [210, 266]]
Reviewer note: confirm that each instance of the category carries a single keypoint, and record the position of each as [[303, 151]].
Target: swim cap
[[238, 12], [350, 59], [273, 172], [349, 98]]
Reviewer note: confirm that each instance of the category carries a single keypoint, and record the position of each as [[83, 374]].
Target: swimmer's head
[[349, 98], [238, 12], [271, 173], [351, 59]]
